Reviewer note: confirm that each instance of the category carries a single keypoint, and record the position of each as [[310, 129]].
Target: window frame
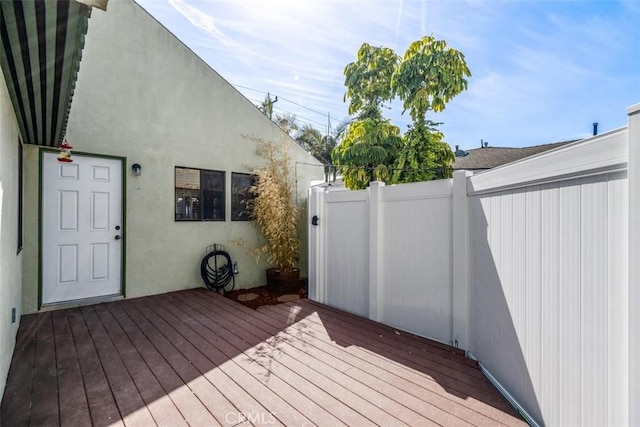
[[201, 190], [235, 214]]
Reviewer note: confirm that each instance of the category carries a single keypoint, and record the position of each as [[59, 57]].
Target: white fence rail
[[527, 266]]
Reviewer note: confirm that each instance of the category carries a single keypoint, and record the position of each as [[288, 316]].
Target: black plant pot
[[283, 280]]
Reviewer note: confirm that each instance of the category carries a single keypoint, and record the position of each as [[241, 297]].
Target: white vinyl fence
[[345, 218], [549, 281], [532, 268], [398, 282]]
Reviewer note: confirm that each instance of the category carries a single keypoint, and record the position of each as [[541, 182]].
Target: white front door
[[81, 228]]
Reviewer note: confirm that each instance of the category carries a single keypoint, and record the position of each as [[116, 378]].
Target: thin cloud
[[563, 63], [199, 20]]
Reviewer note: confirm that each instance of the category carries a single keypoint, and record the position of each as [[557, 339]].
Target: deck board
[[371, 357], [286, 354], [390, 393], [73, 405], [158, 402], [45, 377], [18, 387], [127, 396], [187, 402], [196, 358], [283, 380], [240, 383], [102, 406]]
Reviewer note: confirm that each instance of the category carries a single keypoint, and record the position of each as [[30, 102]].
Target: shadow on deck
[[196, 358]]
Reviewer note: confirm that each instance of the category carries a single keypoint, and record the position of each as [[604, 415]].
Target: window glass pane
[[241, 196], [187, 199], [212, 183]]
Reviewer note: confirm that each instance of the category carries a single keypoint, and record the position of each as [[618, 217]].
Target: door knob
[[118, 237]]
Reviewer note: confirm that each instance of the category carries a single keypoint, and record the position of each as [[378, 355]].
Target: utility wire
[[325, 115], [297, 116], [325, 126]]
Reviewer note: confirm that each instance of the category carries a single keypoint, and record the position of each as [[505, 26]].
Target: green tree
[[369, 147], [286, 122], [321, 146], [371, 142], [368, 80], [267, 106], [429, 76], [308, 137], [323, 150], [424, 155]]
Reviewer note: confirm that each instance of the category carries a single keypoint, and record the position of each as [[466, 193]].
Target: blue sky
[[542, 71]]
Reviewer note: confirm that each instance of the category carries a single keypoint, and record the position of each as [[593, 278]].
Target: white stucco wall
[[143, 95], [10, 260]]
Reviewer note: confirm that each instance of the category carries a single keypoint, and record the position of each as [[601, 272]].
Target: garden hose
[[216, 270]]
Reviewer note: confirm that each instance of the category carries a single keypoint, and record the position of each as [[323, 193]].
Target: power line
[[297, 116], [325, 115], [300, 105]]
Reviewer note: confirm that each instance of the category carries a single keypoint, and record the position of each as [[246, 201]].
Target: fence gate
[[385, 253]]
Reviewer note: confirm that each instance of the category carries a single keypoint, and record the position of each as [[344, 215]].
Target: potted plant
[[275, 213]]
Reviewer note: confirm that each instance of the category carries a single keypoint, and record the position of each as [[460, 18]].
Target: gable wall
[[143, 95]]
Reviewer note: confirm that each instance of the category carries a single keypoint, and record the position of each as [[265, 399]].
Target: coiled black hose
[[216, 270]]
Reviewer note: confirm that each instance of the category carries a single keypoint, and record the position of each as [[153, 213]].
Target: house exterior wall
[[10, 260], [143, 95]]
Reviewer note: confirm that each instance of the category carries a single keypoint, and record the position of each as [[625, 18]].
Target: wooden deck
[[196, 358]]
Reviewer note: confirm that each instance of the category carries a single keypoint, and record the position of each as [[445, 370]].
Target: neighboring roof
[[42, 45], [490, 157]]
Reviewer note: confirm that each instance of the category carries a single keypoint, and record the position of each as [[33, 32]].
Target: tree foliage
[[321, 146], [267, 106], [429, 75], [368, 148], [367, 80], [308, 137], [286, 122], [424, 155], [371, 143], [425, 79]]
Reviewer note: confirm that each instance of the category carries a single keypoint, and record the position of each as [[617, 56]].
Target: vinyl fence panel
[[347, 253], [416, 258], [549, 282]]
